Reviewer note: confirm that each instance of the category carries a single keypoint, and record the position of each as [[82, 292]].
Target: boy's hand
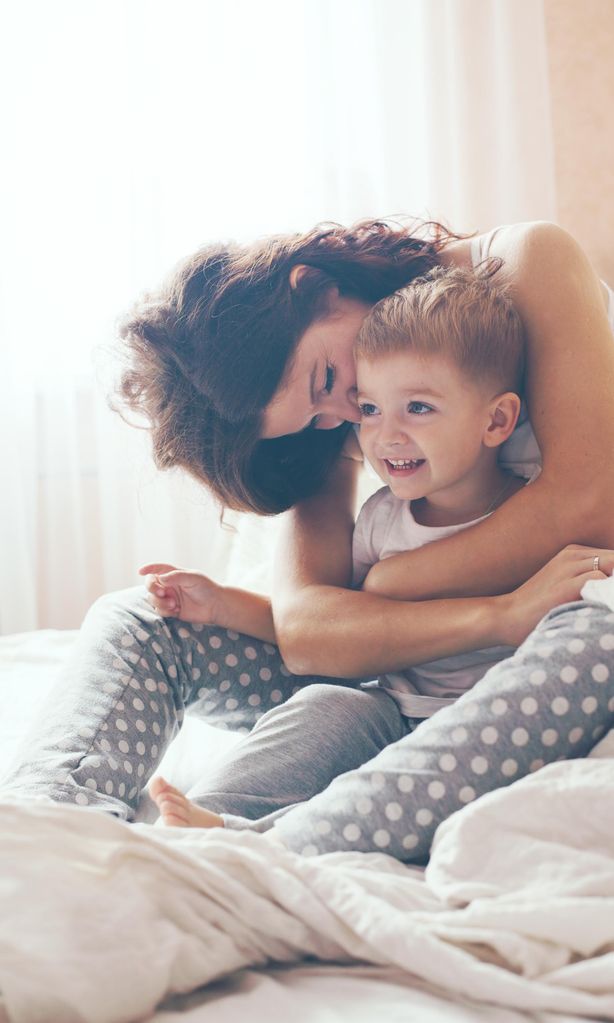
[[179, 593]]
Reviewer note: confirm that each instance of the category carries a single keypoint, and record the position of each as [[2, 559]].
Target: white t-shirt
[[386, 526]]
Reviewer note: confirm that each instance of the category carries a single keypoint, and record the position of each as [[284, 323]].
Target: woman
[[243, 365]]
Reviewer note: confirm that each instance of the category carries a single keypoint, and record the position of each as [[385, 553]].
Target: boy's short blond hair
[[457, 314]]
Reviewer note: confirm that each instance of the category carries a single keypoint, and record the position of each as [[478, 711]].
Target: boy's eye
[[367, 408], [419, 408]]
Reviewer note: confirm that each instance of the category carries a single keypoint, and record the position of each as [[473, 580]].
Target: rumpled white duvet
[[99, 920]]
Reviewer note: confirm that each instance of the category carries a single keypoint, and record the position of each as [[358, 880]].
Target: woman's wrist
[[503, 618], [516, 617]]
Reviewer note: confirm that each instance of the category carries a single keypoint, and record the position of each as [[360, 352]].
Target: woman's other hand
[[180, 593], [558, 582]]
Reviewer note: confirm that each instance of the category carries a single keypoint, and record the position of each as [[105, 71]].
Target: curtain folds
[[137, 132]]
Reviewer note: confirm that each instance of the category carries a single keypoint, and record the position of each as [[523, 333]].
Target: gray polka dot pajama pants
[[330, 764]]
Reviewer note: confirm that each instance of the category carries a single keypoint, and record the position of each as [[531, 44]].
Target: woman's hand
[[179, 593], [558, 582]]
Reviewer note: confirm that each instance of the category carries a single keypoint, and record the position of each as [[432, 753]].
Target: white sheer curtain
[[136, 131]]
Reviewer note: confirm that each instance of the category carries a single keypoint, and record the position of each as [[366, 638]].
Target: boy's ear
[[503, 415]]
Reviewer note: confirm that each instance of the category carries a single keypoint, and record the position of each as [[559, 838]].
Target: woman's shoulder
[[503, 241], [526, 250]]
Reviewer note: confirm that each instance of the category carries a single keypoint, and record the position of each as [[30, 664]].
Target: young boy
[[439, 369]]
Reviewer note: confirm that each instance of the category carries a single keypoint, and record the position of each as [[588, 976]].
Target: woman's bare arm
[[570, 363], [323, 628]]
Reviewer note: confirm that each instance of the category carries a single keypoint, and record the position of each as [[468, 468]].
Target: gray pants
[[330, 764]]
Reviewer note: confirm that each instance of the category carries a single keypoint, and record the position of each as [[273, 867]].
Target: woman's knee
[[582, 629], [131, 609], [578, 617], [120, 602], [122, 612]]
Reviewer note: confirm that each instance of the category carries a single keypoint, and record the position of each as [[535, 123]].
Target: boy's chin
[[404, 493]]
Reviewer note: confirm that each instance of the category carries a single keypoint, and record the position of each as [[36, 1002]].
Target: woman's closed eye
[[329, 383], [329, 379]]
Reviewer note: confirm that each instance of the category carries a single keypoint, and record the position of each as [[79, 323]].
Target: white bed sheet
[[314, 992], [323, 993]]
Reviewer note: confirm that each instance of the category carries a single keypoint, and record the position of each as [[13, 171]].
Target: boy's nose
[[391, 434]]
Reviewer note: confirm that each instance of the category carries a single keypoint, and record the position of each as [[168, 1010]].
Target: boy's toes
[[158, 786], [177, 811], [174, 809], [173, 816]]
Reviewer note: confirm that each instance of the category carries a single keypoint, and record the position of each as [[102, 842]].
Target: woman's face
[[320, 388]]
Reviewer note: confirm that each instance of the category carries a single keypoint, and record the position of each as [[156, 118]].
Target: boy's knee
[[325, 697], [347, 707]]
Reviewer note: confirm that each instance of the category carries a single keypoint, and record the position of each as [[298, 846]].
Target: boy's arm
[[454, 566], [323, 628], [194, 597]]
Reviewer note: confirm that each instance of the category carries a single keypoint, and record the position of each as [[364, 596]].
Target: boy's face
[[422, 423]]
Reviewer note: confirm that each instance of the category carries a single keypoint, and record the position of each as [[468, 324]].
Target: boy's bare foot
[[177, 811]]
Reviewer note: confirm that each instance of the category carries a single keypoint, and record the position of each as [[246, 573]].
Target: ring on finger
[[596, 563]]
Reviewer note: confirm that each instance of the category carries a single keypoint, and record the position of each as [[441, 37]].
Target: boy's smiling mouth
[[403, 466]]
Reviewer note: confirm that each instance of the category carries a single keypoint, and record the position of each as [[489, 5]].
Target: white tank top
[[521, 454]]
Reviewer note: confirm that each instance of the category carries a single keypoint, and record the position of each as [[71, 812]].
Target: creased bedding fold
[[102, 920]]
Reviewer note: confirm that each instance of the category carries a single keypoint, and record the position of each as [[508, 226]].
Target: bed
[[519, 927]]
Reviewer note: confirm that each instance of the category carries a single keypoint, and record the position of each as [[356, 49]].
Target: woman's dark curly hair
[[205, 354]]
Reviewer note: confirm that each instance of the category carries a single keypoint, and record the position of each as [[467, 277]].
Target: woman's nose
[[337, 409], [327, 422]]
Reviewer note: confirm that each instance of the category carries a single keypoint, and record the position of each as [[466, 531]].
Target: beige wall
[[581, 53]]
